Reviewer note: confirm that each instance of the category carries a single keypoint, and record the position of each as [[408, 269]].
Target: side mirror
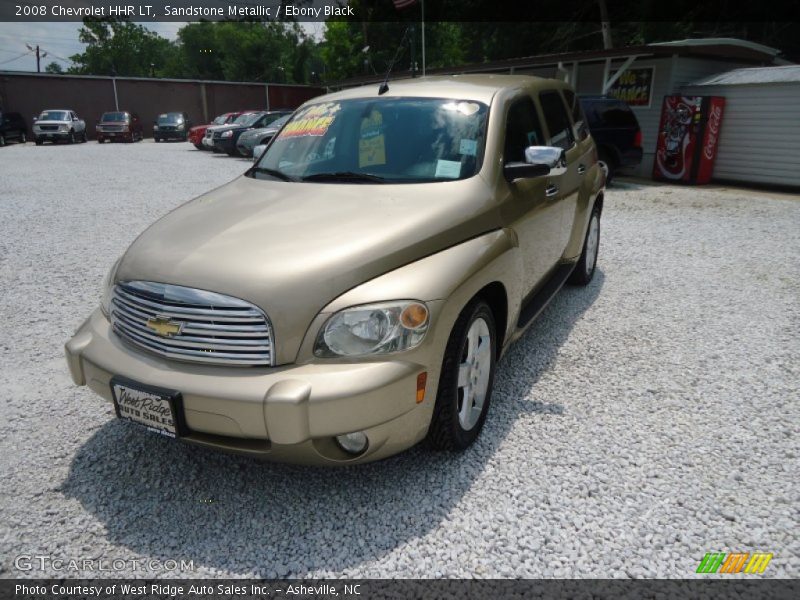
[[258, 151], [539, 161], [35, 119]]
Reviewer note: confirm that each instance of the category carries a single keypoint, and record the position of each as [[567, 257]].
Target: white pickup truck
[[60, 124]]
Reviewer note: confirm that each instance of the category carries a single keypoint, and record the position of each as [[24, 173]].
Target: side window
[[578, 118], [555, 115], [522, 130]]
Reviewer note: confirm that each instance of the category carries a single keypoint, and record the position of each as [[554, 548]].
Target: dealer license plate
[[154, 408]]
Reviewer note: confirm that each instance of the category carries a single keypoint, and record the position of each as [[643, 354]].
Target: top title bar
[[397, 10]]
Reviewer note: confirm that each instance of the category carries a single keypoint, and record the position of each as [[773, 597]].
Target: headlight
[[180, 127], [373, 329], [155, 127], [108, 287], [226, 134], [63, 127]]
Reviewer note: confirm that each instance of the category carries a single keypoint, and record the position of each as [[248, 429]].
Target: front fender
[[448, 280]]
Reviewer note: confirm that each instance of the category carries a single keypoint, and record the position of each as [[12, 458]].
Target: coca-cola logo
[[714, 120]]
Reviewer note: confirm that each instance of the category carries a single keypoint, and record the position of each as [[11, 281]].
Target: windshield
[[221, 120], [278, 123], [114, 116], [401, 140], [54, 115], [170, 118], [247, 119]]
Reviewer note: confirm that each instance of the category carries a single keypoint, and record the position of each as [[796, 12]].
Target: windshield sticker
[[371, 143], [450, 169], [468, 147], [533, 138], [313, 121]]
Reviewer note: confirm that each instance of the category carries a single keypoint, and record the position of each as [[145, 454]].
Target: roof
[[786, 74], [724, 49], [478, 87]]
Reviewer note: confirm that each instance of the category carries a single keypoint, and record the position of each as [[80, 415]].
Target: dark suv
[[616, 132], [171, 126], [12, 127]]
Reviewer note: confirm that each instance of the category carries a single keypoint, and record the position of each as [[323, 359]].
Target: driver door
[[531, 209]]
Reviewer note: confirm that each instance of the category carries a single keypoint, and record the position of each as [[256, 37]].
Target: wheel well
[[497, 299], [610, 152]]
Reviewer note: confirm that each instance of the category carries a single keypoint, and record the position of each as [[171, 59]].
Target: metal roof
[[786, 74]]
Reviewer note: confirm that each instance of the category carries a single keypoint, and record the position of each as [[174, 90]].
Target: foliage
[[53, 67]]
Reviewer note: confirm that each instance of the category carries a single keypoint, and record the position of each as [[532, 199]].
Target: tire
[[584, 270], [608, 163], [71, 138], [453, 426], [38, 142], [100, 140], [199, 146], [2, 140], [156, 140], [23, 138], [84, 139]]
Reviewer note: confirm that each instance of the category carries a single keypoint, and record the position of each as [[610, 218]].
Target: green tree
[[119, 47], [53, 67]]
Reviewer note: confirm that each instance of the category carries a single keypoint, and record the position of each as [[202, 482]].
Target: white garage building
[[760, 137]]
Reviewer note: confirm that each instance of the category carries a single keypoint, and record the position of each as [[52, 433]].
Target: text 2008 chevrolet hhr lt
[[350, 294]]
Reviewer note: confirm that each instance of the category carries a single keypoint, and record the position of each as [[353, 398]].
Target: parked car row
[[258, 125]]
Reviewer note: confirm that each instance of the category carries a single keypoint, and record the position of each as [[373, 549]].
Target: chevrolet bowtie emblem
[[164, 326]]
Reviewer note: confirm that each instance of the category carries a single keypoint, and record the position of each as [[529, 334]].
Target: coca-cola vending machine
[[688, 138]]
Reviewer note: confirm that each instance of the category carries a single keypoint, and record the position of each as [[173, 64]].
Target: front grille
[[112, 127], [213, 328], [48, 127], [166, 127]]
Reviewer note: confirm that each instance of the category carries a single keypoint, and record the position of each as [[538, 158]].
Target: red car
[[196, 133], [119, 125]]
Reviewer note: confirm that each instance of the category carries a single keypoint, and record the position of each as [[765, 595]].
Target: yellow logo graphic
[[734, 562], [164, 326]]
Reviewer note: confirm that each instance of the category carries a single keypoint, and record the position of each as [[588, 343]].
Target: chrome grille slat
[[189, 313], [215, 329], [191, 341], [241, 331]]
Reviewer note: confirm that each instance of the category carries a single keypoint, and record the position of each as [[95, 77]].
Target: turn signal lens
[[414, 316], [422, 380]]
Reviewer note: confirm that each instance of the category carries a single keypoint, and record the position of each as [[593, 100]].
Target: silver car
[[261, 136], [59, 124]]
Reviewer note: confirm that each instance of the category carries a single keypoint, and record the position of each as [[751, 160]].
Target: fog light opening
[[353, 443]]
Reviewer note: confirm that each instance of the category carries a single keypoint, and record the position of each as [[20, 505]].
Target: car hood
[[198, 128], [260, 131], [292, 248]]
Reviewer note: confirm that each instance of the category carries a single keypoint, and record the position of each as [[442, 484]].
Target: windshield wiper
[[274, 172], [345, 176]]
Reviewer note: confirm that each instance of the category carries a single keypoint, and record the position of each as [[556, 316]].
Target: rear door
[[562, 191]]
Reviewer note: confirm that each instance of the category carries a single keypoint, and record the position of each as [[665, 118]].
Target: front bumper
[[51, 135], [226, 145], [245, 147], [169, 135], [290, 413]]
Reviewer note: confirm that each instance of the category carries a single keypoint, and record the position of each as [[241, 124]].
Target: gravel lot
[[642, 422]]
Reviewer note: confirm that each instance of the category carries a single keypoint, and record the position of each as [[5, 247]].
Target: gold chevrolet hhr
[[350, 294]]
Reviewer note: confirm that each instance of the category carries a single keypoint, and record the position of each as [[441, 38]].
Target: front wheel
[[38, 141], [84, 138], [23, 138], [465, 385], [71, 139], [2, 140], [584, 270]]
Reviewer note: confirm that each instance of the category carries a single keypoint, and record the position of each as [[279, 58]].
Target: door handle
[[551, 190], [581, 169]]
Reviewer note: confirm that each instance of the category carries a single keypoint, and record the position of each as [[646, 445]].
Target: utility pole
[[38, 56], [605, 25]]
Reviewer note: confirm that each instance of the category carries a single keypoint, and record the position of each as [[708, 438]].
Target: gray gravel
[[642, 422]]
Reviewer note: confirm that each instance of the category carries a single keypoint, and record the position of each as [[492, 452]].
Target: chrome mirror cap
[[554, 158]]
